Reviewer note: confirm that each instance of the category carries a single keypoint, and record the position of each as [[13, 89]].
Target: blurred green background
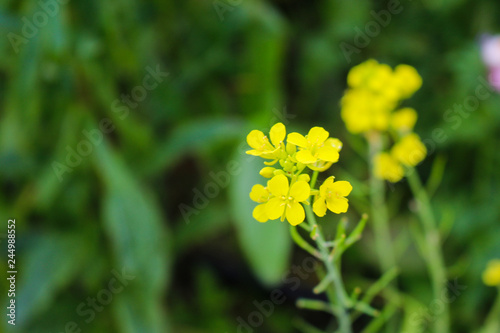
[[148, 228]]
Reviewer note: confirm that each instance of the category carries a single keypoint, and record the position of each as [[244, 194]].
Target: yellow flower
[[286, 200], [409, 150], [358, 75], [491, 276], [316, 149], [378, 78], [261, 145], [363, 111], [388, 168], [261, 195], [332, 196], [404, 120], [374, 91], [407, 80]]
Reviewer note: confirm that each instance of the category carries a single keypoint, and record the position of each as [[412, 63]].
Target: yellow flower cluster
[[374, 92], [491, 276], [370, 105], [289, 187]]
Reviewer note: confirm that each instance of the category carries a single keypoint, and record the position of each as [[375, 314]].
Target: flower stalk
[[380, 216], [433, 255], [342, 303], [492, 323]]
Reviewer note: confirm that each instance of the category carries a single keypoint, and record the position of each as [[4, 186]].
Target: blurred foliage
[[233, 66]]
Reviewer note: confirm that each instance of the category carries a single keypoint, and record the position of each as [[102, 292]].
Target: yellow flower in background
[[261, 145], [409, 150], [374, 92], [376, 77], [403, 120], [370, 75], [286, 200], [388, 168], [332, 196], [261, 195], [315, 149], [363, 111], [360, 75], [491, 276], [407, 80]]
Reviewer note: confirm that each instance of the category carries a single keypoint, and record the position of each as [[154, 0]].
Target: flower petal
[[305, 156], [342, 187], [404, 119], [259, 213], [337, 205], [317, 135], [297, 139], [295, 213], [329, 154], [254, 152], [259, 193], [275, 208], [291, 148], [326, 184], [300, 191], [277, 134], [270, 162], [278, 185], [387, 167], [256, 139], [319, 207], [304, 177], [409, 150], [335, 143]]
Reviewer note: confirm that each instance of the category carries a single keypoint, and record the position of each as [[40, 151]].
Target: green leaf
[[48, 266], [213, 221], [356, 233], [190, 138], [140, 243], [436, 177], [302, 242], [266, 245]]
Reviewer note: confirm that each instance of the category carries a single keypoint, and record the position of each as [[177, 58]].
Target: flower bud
[[305, 177], [267, 172]]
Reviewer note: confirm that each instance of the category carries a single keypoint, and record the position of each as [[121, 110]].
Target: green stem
[[434, 254], [314, 178], [380, 215], [342, 299], [302, 242], [314, 304], [492, 323]]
